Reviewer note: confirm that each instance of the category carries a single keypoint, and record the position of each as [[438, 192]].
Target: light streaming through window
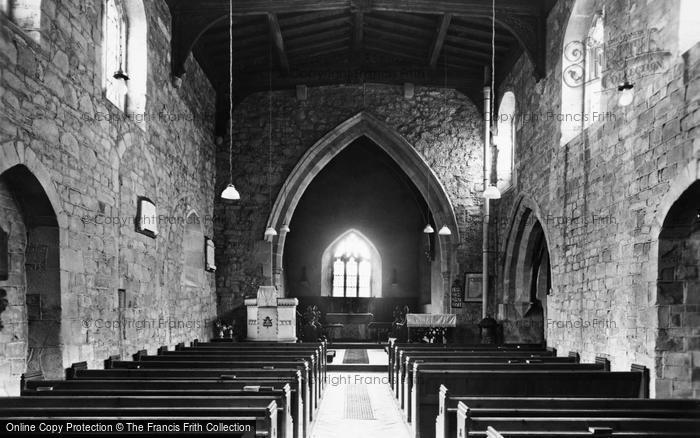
[[352, 269]]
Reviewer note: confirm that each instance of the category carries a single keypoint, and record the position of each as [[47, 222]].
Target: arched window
[[593, 70], [351, 267], [192, 275], [583, 62], [505, 142], [125, 56], [689, 27], [26, 14], [114, 54]]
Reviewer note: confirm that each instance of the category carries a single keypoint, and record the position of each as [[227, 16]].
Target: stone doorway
[[33, 285], [678, 297]]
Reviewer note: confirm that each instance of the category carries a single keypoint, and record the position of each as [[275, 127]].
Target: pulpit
[[271, 318]]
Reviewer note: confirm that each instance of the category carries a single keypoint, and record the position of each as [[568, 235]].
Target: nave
[[213, 211]]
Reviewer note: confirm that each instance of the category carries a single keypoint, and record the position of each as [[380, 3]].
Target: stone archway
[[33, 335], [24, 159], [678, 296], [527, 275], [402, 152]]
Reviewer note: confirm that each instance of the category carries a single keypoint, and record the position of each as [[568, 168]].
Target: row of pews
[[514, 391], [277, 387]]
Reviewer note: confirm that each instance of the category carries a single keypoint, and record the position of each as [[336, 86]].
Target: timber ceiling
[[279, 44]]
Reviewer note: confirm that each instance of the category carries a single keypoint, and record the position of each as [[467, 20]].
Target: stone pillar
[[446, 289]]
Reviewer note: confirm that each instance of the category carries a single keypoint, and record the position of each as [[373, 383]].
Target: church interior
[[304, 218]]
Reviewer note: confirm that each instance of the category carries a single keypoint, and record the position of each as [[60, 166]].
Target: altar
[[352, 326], [271, 318], [429, 327]]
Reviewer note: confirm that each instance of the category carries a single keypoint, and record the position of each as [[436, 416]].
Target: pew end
[[70, 372], [644, 388], [492, 433], [137, 356], [603, 361], [574, 355], [29, 375], [109, 362]]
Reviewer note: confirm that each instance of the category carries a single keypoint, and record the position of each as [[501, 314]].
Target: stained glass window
[[352, 269]]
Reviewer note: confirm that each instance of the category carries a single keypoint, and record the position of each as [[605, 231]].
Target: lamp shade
[[270, 233], [492, 192], [230, 193], [428, 229], [445, 231], [626, 94]]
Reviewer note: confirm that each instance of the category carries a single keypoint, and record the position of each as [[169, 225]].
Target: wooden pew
[[396, 346], [394, 349], [320, 348], [313, 373], [79, 371], [323, 346], [426, 384], [270, 356], [231, 366], [570, 420], [405, 372], [180, 388], [224, 344], [401, 354], [446, 421], [593, 432], [466, 366], [263, 410]]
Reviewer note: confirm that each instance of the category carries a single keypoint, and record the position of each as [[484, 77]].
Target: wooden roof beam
[[358, 30], [278, 41], [439, 40]]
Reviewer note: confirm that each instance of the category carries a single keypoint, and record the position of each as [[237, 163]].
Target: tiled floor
[[344, 412]]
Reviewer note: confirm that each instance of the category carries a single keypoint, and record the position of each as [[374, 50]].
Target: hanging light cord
[[493, 59], [230, 91], [269, 129]]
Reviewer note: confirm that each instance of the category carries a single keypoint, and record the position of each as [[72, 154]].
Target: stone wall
[[444, 127], [602, 197], [93, 161]]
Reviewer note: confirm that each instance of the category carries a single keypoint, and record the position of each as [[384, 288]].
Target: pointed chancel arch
[[400, 150], [372, 257]]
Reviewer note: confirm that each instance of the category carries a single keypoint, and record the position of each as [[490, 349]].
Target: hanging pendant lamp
[[492, 192], [428, 229], [626, 88], [270, 233], [230, 192], [445, 231]]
